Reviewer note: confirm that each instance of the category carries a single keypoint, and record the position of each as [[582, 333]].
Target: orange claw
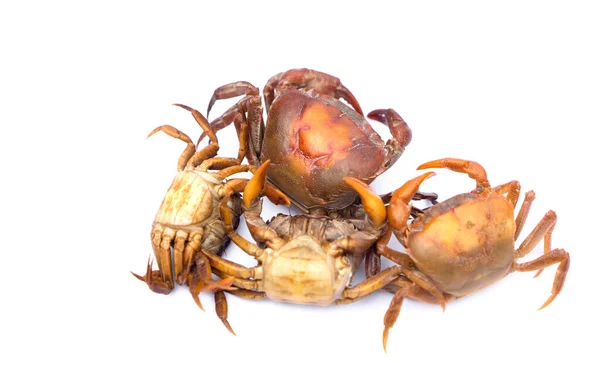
[[473, 169], [256, 184], [372, 203], [398, 210]]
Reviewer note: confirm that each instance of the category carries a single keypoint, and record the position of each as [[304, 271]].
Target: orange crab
[[465, 243]]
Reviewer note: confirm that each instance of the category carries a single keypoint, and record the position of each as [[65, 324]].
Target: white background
[[514, 86]]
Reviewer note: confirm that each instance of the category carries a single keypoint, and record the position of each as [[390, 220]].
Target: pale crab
[[189, 217], [306, 259]]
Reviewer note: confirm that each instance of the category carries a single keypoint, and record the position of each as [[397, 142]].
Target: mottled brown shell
[[464, 243], [313, 142]]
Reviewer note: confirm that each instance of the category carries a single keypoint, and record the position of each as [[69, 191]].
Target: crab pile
[[320, 154]]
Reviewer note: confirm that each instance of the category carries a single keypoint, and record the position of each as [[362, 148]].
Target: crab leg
[[173, 132], [392, 313], [201, 279], [548, 259], [233, 269], [218, 163], [522, 216], [248, 295], [414, 292], [210, 150], [184, 260], [248, 120], [221, 309], [190, 157], [544, 229], [473, 169], [373, 258], [512, 190], [202, 122], [161, 244], [369, 285], [231, 90], [246, 284]]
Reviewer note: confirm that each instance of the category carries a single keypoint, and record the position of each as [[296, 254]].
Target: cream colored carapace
[[308, 259]]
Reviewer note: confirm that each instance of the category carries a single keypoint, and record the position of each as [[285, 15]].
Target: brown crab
[[312, 139], [189, 216], [465, 243]]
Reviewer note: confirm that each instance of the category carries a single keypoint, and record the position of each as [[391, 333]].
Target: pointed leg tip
[[228, 326], [141, 278], [385, 338], [182, 106], [197, 301], [550, 299]]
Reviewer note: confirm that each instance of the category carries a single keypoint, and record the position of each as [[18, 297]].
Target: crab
[[189, 217], [312, 139], [466, 243], [304, 258]]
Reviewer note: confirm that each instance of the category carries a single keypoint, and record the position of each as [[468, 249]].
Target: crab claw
[[398, 210], [471, 168], [372, 203], [256, 184], [398, 127]]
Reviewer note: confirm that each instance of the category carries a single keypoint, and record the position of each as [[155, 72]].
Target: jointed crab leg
[[233, 269], [370, 285], [522, 216], [247, 117], [231, 90], [173, 132], [202, 122], [246, 284], [248, 295], [218, 163], [512, 190], [548, 259], [221, 309], [201, 279], [544, 229]]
